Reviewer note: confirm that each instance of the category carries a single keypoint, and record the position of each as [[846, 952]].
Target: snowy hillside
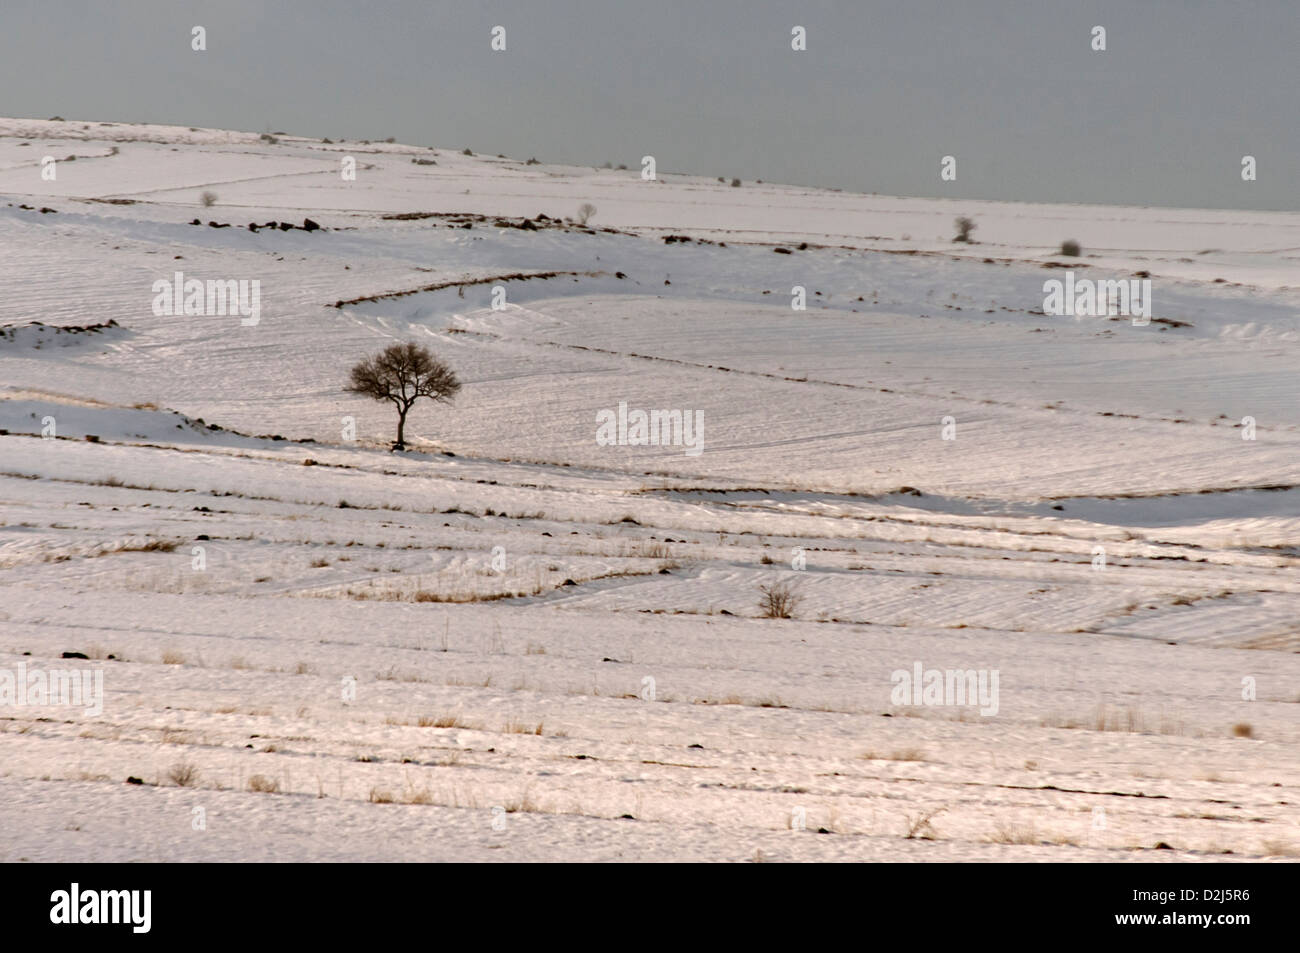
[[341, 652]]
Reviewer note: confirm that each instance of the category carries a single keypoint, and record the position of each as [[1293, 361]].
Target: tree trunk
[[401, 428]]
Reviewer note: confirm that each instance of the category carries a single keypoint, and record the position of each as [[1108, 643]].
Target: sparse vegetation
[[261, 784], [919, 826], [183, 774], [208, 199], [964, 227], [585, 211], [513, 727], [1007, 833], [778, 600], [1070, 248]]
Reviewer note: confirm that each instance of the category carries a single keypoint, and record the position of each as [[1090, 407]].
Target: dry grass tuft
[[261, 784], [513, 727], [919, 826], [183, 774], [1014, 834]]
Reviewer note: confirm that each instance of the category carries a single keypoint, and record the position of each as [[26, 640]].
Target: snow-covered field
[[515, 643]]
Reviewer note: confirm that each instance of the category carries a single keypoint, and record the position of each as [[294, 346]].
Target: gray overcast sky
[[1009, 87]]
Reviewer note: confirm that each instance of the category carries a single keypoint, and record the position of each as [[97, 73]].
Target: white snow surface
[[556, 646]]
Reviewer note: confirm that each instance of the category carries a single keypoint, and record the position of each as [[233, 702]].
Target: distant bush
[[964, 227], [532, 161], [585, 211], [208, 199], [778, 600], [622, 168], [1070, 247], [267, 137], [735, 183], [466, 152]]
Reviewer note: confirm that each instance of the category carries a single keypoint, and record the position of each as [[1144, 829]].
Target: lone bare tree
[[402, 374]]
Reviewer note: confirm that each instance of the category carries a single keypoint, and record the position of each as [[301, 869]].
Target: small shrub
[[735, 183], [778, 600], [1070, 248], [208, 199], [585, 211], [964, 227], [1243, 730]]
